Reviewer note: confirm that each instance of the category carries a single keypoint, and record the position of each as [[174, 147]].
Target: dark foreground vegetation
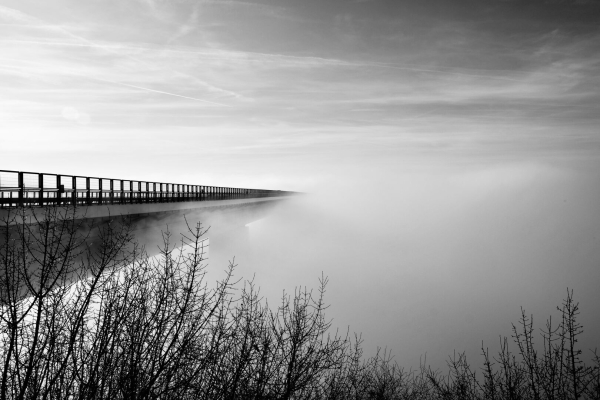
[[108, 322]]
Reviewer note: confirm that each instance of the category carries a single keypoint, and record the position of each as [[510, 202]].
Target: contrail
[[163, 92], [414, 68], [22, 17], [31, 70], [330, 61], [121, 47]]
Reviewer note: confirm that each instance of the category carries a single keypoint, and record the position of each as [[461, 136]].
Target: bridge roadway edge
[[110, 211], [149, 221]]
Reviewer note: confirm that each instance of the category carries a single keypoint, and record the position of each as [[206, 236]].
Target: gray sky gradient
[[292, 89]]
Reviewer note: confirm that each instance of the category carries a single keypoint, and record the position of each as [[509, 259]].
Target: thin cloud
[[83, 42], [281, 60], [163, 92]]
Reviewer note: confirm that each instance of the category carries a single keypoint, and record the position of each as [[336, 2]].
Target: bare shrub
[[86, 314]]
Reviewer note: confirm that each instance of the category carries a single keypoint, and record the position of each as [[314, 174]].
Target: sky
[[291, 94], [451, 148]]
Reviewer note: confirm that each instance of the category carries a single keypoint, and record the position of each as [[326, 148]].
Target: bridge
[[148, 205]]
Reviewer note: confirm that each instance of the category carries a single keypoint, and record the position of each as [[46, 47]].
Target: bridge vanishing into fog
[[147, 205]]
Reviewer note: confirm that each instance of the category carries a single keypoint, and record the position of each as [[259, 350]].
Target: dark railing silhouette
[[18, 189]]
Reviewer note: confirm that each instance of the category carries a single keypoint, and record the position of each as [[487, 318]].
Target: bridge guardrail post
[[41, 190], [74, 192], [21, 185], [59, 190], [88, 196], [100, 192]]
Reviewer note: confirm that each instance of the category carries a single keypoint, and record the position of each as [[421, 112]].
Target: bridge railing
[[19, 188]]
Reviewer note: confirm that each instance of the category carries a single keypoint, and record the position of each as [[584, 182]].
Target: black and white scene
[[300, 199]]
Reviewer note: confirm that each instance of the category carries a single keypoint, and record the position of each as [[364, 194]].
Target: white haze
[[438, 260]]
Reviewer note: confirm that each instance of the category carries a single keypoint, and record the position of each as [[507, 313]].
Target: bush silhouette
[[105, 321]]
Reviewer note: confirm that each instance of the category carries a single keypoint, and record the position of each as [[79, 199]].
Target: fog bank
[[438, 260]]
